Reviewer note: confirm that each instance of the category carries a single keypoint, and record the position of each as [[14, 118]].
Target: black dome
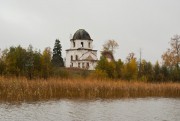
[[81, 34]]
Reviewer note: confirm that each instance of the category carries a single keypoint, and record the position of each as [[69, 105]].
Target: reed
[[21, 89]]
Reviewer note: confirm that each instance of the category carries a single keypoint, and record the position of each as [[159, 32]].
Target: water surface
[[141, 109]]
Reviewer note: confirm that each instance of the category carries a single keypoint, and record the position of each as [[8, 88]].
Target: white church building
[[81, 53]]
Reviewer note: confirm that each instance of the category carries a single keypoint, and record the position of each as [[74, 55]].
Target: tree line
[[32, 63], [142, 70], [19, 61]]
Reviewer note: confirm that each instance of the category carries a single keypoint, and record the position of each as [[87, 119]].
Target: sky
[[133, 24]]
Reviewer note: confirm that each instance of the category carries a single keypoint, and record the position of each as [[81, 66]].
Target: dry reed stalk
[[21, 89]]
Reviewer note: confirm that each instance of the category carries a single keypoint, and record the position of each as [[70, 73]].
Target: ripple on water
[[145, 109]]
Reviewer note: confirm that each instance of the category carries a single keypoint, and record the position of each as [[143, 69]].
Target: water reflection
[[145, 109]]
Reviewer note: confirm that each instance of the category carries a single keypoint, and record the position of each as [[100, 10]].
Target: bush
[[99, 74], [60, 73]]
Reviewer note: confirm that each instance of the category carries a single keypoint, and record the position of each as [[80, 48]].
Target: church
[[81, 54]]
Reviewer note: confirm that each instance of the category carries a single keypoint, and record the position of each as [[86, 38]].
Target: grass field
[[21, 89]]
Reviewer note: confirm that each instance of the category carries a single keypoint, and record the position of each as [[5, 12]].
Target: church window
[[76, 57], [71, 57], [73, 44], [89, 44], [82, 44]]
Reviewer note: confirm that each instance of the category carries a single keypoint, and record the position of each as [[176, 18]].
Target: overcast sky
[[134, 24]]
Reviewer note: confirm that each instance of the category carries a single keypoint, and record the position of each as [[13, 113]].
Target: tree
[[146, 71], [157, 72], [2, 65], [46, 62], [175, 74], [107, 68], [171, 57], [33, 63], [30, 62], [165, 73], [101, 66], [37, 63], [110, 45], [57, 59], [130, 68], [119, 66], [130, 57], [15, 60]]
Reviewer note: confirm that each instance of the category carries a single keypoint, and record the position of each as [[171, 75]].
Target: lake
[[140, 109]]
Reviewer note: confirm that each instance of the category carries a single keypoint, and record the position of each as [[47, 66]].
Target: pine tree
[[57, 59], [157, 72]]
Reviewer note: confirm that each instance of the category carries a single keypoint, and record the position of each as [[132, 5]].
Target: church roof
[[81, 34]]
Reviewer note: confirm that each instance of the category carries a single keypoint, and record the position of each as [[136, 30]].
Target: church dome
[[81, 34]]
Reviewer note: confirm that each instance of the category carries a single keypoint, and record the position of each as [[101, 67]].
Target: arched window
[[76, 57], [89, 44], [82, 44], [74, 44], [71, 57]]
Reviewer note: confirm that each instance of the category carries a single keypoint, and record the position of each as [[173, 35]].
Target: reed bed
[[21, 89]]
